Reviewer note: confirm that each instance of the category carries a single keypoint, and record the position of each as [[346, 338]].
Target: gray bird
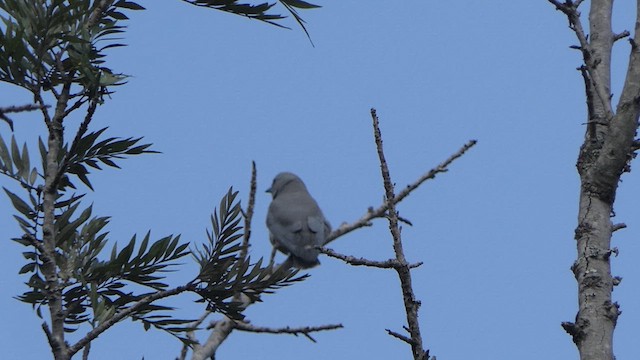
[[296, 223]]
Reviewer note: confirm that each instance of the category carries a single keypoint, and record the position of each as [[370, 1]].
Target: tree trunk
[[56, 335], [604, 156]]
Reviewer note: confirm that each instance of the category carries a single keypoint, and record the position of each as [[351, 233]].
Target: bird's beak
[[268, 190]]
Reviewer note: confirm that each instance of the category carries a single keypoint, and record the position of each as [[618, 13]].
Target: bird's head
[[285, 181]]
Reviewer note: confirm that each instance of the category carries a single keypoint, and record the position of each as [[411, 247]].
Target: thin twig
[[7, 120], [75, 106], [248, 215], [43, 108], [22, 108], [20, 181], [17, 109], [588, 87], [352, 260], [191, 336], [243, 326], [399, 336], [380, 212], [48, 334], [85, 352]]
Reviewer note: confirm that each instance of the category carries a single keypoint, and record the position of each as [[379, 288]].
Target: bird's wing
[[283, 236], [317, 226], [296, 239]]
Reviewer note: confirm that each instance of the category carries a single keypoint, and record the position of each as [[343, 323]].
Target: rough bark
[[604, 156]]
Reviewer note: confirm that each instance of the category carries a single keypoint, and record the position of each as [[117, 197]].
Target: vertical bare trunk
[[597, 313], [604, 156], [411, 304]]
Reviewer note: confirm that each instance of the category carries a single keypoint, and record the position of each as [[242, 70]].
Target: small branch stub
[[572, 329]]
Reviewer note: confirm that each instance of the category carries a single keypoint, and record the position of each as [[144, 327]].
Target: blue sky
[[213, 92]]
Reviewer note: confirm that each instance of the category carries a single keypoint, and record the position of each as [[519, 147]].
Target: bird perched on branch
[[296, 223]]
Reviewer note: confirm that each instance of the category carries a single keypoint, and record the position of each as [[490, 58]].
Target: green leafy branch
[[16, 164], [225, 273], [59, 47], [94, 291], [87, 281], [260, 11], [87, 153], [50, 43]]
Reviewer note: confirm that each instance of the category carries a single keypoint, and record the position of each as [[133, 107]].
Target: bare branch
[[75, 106], [217, 336], [7, 120], [411, 304], [20, 180], [17, 109], [617, 227], [381, 211], [352, 260], [220, 330], [588, 87], [404, 220], [306, 331], [399, 336], [85, 352], [621, 35], [191, 336], [441, 168], [248, 215], [49, 336], [22, 108], [37, 96]]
